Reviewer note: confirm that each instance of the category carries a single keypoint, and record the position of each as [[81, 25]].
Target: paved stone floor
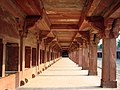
[[65, 75]]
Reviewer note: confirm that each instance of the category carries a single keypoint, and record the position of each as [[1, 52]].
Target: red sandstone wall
[[9, 82]]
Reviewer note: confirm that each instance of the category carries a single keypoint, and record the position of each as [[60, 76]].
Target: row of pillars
[[86, 57], [21, 57], [9, 54]]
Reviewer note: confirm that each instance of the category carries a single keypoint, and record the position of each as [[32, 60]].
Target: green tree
[[118, 44], [100, 46]]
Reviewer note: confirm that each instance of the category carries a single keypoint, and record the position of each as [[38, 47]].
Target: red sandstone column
[[1, 56], [73, 56], [4, 58], [93, 58], [38, 53], [23, 57], [109, 63], [77, 56], [85, 59], [80, 56], [21, 65], [49, 55], [45, 55]]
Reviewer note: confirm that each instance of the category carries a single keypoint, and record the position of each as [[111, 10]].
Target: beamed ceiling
[[66, 21]]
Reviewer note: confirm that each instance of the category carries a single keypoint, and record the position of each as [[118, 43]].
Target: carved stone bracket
[[97, 22], [112, 28], [116, 28], [21, 27]]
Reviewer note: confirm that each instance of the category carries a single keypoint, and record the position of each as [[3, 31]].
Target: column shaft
[[93, 60], [80, 57], [109, 63], [4, 58], [85, 59]]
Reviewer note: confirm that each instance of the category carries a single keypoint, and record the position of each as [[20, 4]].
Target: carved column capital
[[21, 27], [116, 28], [85, 44], [23, 33], [108, 27]]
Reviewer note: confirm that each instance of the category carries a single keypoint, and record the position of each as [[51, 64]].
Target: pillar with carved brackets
[[109, 54], [93, 58], [23, 35], [85, 59], [109, 60]]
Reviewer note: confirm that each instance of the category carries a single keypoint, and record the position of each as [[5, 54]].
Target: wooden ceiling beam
[[31, 7], [64, 16], [85, 11], [111, 9], [64, 26], [63, 30], [93, 7], [12, 8]]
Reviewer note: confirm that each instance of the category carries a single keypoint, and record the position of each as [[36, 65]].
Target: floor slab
[[65, 75]]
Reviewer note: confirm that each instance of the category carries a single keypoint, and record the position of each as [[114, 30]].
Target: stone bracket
[[97, 22]]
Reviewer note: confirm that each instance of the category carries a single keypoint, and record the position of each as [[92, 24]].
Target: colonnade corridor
[[65, 75]]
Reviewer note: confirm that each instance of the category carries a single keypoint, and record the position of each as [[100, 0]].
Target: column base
[[79, 65], [91, 72], [108, 84], [84, 68]]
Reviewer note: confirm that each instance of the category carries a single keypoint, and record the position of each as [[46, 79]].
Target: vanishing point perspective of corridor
[[65, 75], [54, 44]]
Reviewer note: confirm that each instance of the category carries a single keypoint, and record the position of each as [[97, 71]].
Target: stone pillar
[[74, 56], [49, 55], [1, 56], [93, 58], [38, 54], [4, 59], [109, 61], [45, 55], [85, 59], [77, 56], [22, 53], [80, 56]]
